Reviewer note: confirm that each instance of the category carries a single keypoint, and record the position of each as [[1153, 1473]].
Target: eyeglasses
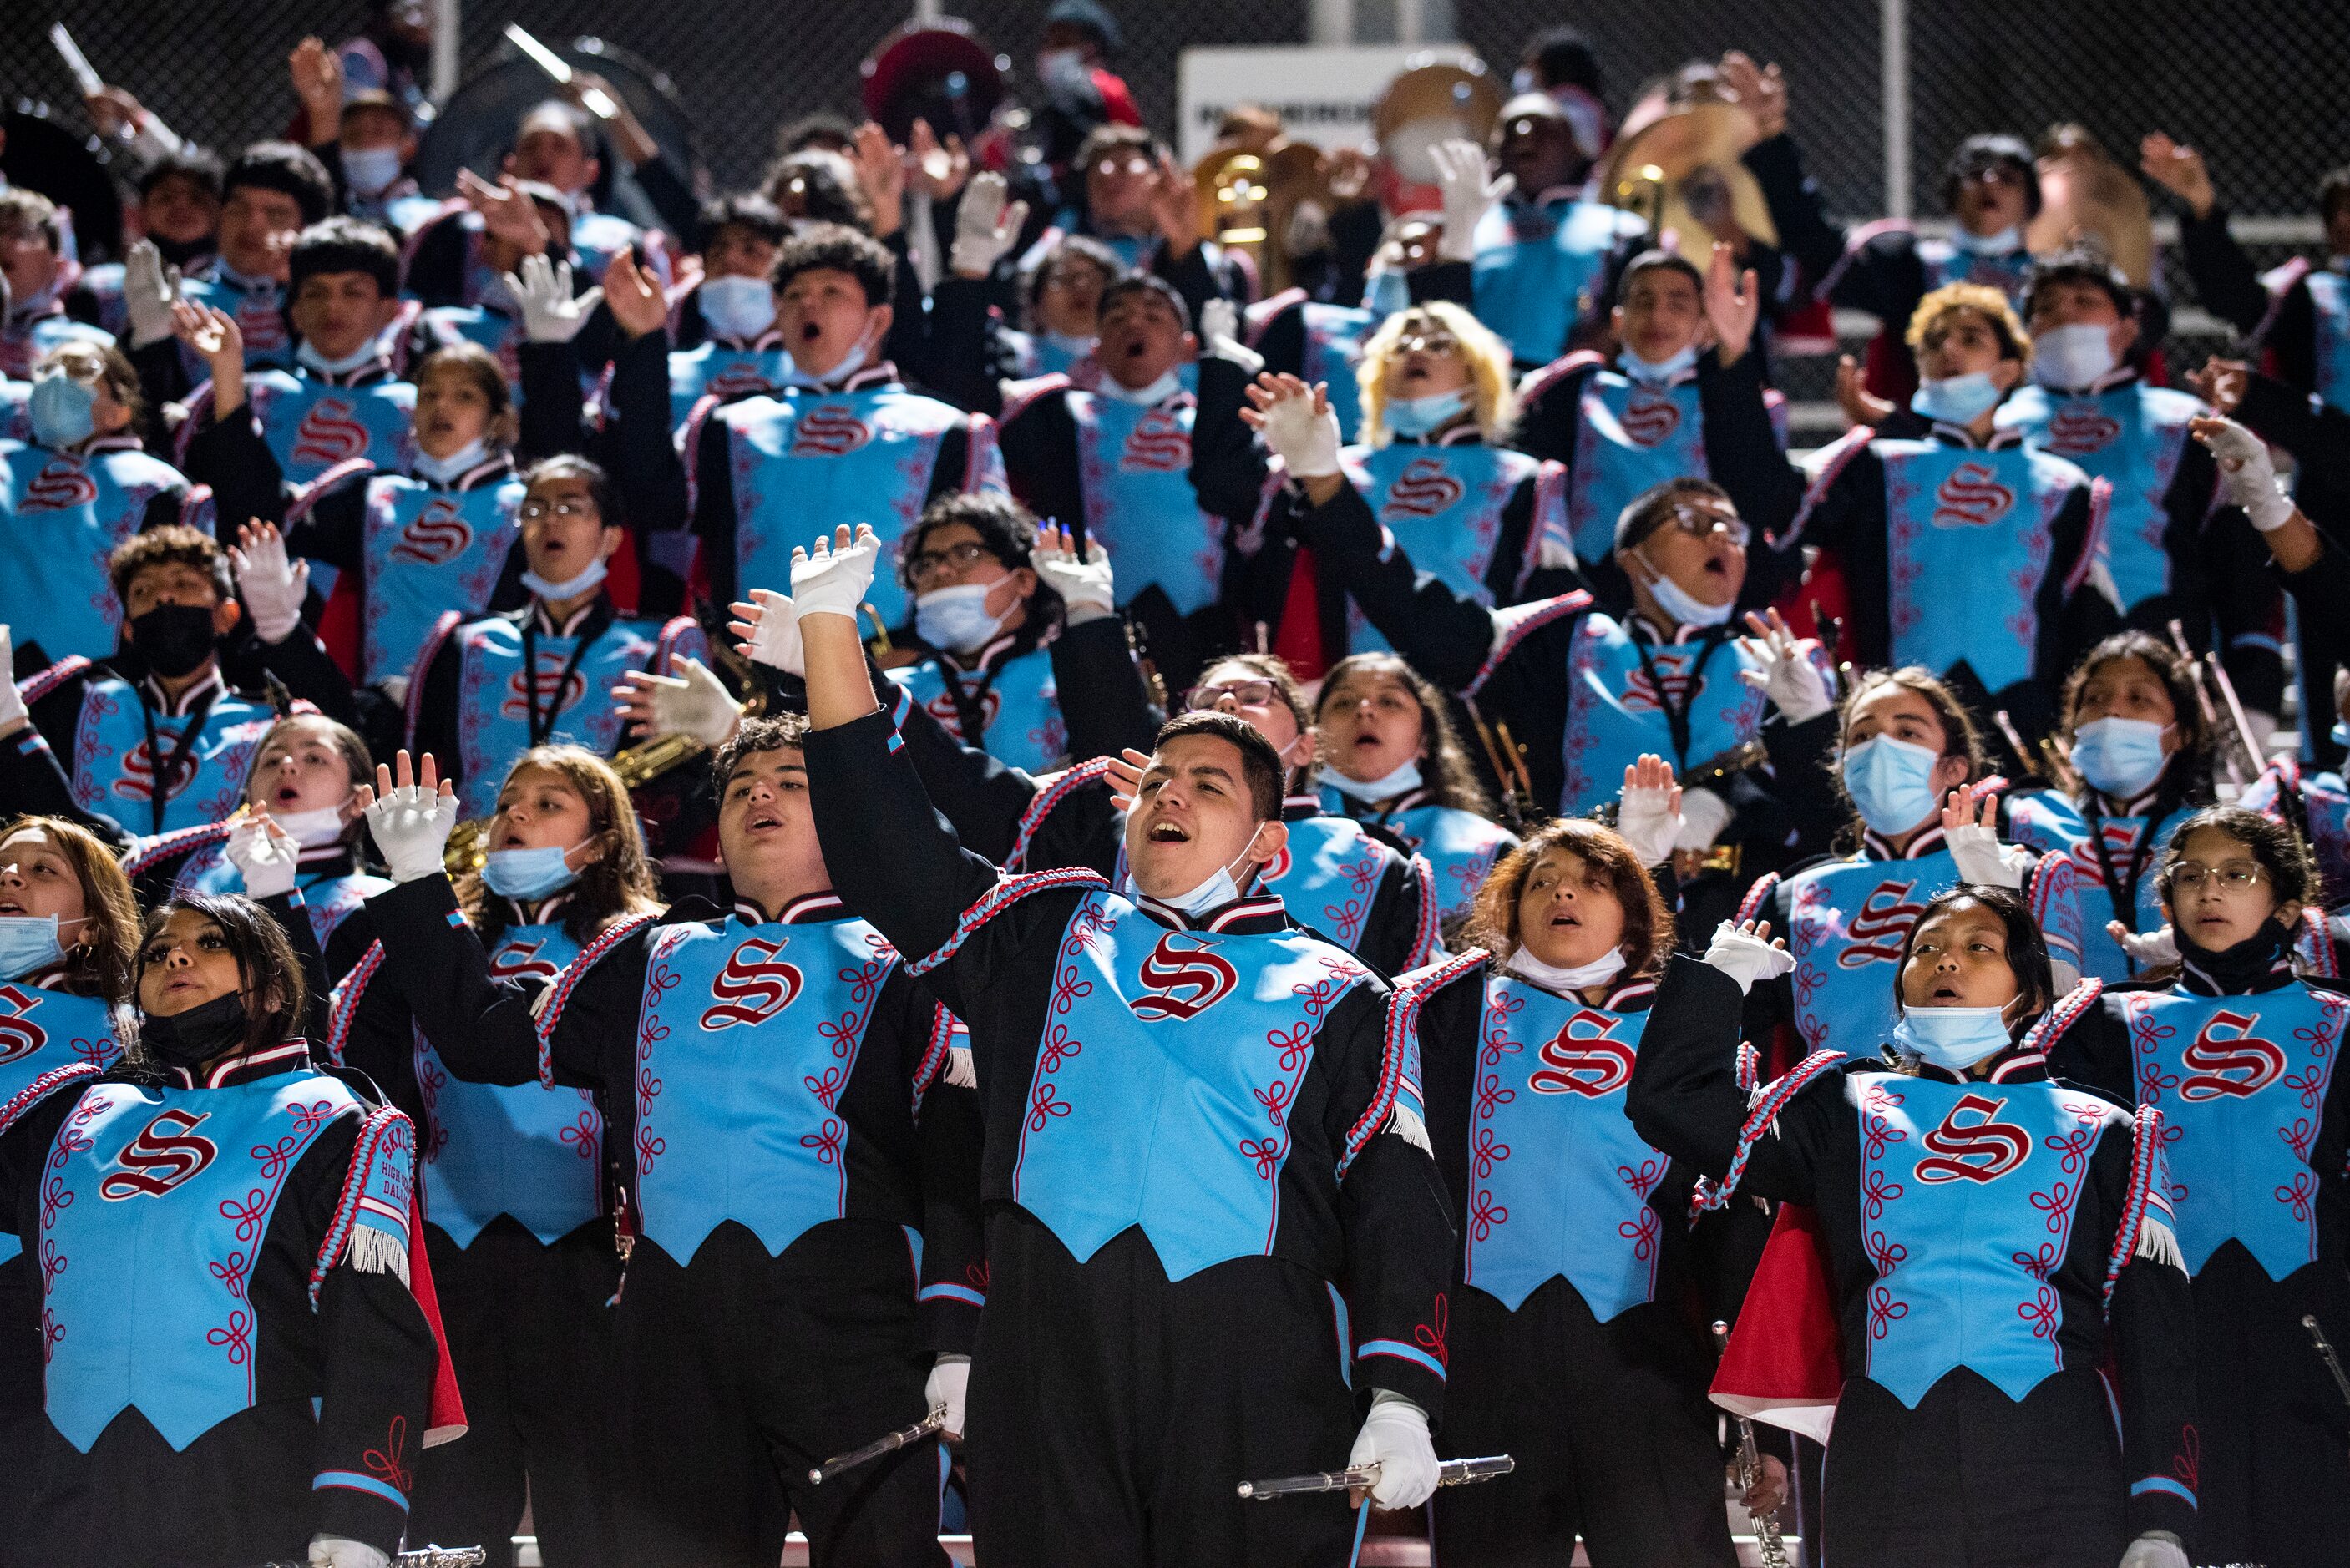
[[1109, 168], [1702, 524], [2235, 875], [532, 511], [1428, 340], [958, 558], [1245, 693], [1993, 174]]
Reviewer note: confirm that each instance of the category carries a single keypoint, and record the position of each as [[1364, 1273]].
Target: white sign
[[1323, 94]]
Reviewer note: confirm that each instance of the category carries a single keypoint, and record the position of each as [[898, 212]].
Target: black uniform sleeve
[[1193, 279], [1399, 928], [947, 473], [1741, 449], [1040, 458], [2153, 1320], [1105, 701], [229, 455], [2073, 617], [2279, 412], [375, 1384], [307, 670], [1393, 1210], [2225, 280], [1550, 412], [481, 1026], [1684, 1097], [1445, 635], [550, 399], [1805, 232], [1846, 516], [1227, 466], [33, 782], [436, 731], [1453, 281], [961, 344], [955, 1248]]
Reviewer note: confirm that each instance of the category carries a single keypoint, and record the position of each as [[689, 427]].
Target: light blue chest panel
[[310, 426], [1558, 1182], [1630, 435], [2044, 821], [1968, 1197], [1135, 463], [530, 1150], [1461, 847], [155, 1206], [1969, 539], [103, 284], [1443, 505], [115, 774], [1846, 923], [715, 371], [429, 551], [1615, 707], [2241, 1082], [42, 1030], [1946, 264], [2329, 295], [260, 318], [60, 517], [1164, 1081], [804, 463], [495, 694], [1334, 349], [1329, 875], [746, 1041], [15, 411], [2131, 437], [1535, 270], [494, 330], [1022, 708], [327, 900]]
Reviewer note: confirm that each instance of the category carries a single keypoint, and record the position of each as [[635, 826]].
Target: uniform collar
[[366, 374], [2118, 377], [1463, 432], [867, 378], [123, 441], [492, 470], [2140, 804], [1875, 846], [211, 687], [329, 860], [1298, 807], [2024, 1063], [1256, 914], [224, 273], [247, 1067], [583, 621], [807, 910], [1649, 631], [2001, 437], [541, 912], [1000, 651], [771, 341]]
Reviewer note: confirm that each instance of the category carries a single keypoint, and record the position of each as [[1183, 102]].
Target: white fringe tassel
[[374, 1252]]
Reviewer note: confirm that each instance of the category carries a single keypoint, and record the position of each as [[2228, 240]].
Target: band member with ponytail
[[1907, 759], [161, 735], [1999, 1257], [1391, 757], [2131, 722], [793, 1201], [1571, 1349], [242, 1362], [520, 1237], [2240, 1057], [1195, 1193]]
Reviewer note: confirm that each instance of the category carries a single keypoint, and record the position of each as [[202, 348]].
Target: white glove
[[1703, 816], [1983, 860], [2247, 478], [2144, 950], [12, 701], [271, 585], [986, 227], [1306, 443], [1746, 957], [334, 1552], [266, 853], [2155, 1549], [1395, 1438], [543, 294], [1648, 821], [1220, 335], [411, 826], [1788, 675], [696, 703], [767, 631], [834, 582], [947, 1389], [1468, 195], [1084, 583], [150, 289]]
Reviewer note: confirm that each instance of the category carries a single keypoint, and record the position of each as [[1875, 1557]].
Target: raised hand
[[1743, 951], [1971, 828], [1733, 303], [1082, 578], [1760, 91], [633, 293], [1469, 195], [266, 854], [2178, 170], [2221, 383], [150, 290], [1220, 335], [271, 585], [213, 334], [1648, 817], [542, 292], [833, 579], [2247, 473], [1861, 407], [937, 171], [411, 811], [1786, 674], [694, 703], [767, 630], [1175, 207], [507, 211], [881, 175], [986, 226], [1296, 423], [318, 82]]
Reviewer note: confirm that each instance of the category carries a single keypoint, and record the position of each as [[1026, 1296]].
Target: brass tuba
[[1250, 194], [1677, 164], [2085, 195]]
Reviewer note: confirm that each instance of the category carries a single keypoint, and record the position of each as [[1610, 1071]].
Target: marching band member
[[38, 275], [272, 192], [729, 319]]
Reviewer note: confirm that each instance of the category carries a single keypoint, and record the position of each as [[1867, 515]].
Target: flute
[[1451, 1472]]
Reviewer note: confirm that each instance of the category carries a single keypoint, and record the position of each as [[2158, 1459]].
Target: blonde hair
[[1495, 398], [2014, 338]]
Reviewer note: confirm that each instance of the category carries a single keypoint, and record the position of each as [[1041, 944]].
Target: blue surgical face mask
[[1952, 1038], [366, 353], [1657, 371], [528, 874], [1387, 292], [1684, 606], [1892, 783], [2119, 757], [1403, 781], [28, 944], [2005, 243], [2065, 357], [452, 468], [1212, 894], [956, 618], [370, 170], [62, 409], [590, 578], [1957, 399], [1418, 416], [739, 307]]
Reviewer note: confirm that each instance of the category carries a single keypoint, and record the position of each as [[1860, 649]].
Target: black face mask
[[174, 639], [190, 1039], [2247, 963], [179, 253]]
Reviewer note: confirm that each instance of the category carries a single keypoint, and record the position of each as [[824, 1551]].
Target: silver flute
[[905, 1437], [1451, 1472], [1768, 1544]]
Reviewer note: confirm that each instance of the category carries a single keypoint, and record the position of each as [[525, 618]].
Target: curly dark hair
[[1647, 922], [775, 733], [839, 248]]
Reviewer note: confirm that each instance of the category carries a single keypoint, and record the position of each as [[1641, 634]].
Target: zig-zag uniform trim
[[558, 995], [1046, 800], [1710, 1195], [1007, 891]]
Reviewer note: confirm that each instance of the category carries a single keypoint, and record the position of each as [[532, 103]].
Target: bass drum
[[71, 168], [475, 127]]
